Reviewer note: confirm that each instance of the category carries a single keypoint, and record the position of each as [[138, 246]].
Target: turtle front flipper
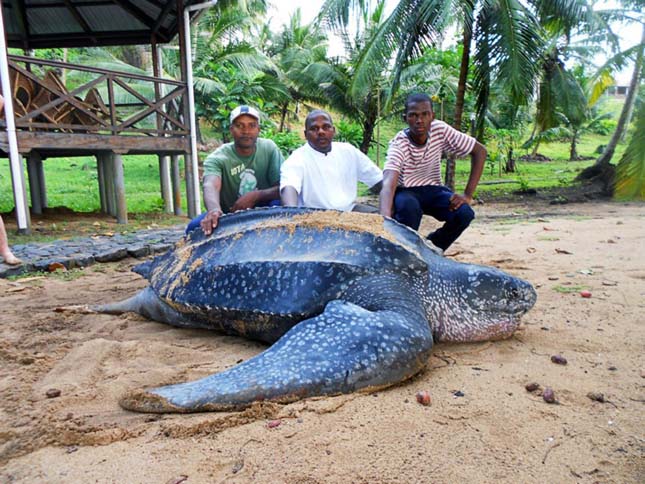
[[344, 349]]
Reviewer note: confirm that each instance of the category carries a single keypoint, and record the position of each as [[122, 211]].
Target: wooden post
[[164, 165], [34, 186], [119, 190], [176, 184], [100, 171], [190, 185], [191, 157]]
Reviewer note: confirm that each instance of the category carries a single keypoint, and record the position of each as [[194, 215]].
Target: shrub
[[287, 141], [349, 132]]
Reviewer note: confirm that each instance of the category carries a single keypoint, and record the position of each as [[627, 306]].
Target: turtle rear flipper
[[148, 304], [344, 349]]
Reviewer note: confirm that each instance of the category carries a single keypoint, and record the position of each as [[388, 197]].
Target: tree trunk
[[368, 131], [459, 102], [573, 152], [283, 115], [621, 127], [602, 171], [510, 162]]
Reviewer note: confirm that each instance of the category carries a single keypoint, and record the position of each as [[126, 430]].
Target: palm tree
[[630, 172], [602, 170], [293, 50], [507, 38], [338, 79]]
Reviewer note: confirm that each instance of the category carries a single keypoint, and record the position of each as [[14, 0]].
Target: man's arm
[[386, 199], [212, 189], [253, 198], [376, 188], [477, 160], [289, 196]]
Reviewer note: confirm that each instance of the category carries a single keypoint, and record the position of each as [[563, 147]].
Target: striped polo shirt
[[420, 165]]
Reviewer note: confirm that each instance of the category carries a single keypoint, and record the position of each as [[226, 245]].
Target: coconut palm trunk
[[602, 168]]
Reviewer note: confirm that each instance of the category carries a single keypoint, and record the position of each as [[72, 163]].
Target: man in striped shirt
[[412, 183]]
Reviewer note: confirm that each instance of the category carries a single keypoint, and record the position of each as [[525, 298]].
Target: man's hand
[[248, 200], [209, 222], [457, 201]]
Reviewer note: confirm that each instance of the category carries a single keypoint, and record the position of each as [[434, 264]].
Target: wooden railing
[[94, 100]]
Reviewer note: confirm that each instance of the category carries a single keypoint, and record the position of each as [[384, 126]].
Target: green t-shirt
[[241, 174]]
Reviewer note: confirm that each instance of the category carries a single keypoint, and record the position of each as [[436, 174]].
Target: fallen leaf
[[530, 250], [609, 283], [563, 251]]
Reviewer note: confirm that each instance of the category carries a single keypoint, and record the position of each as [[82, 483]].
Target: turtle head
[[468, 302]]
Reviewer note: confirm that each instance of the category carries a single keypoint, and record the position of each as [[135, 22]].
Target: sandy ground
[[482, 426]]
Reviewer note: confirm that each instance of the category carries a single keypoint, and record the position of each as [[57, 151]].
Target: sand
[[482, 425]]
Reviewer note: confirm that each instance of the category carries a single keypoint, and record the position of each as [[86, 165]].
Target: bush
[[349, 132], [604, 127], [287, 141]]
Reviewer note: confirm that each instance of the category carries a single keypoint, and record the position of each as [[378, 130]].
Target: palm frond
[[630, 172]]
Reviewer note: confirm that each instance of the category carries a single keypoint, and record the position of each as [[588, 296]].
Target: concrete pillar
[[100, 171], [34, 182], [176, 184], [164, 177], [119, 190], [108, 171], [40, 168], [190, 186]]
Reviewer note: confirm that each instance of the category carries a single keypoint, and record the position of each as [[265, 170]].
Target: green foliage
[[630, 172], [349, 132], [287, 141], [70, 185]]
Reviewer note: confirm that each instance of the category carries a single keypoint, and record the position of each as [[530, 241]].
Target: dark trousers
[[411, 203], [194, 223]]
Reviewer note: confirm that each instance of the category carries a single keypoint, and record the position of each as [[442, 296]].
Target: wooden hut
[[43, 118]]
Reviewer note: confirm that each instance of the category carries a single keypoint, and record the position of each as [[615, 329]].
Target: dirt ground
[[482, 425]]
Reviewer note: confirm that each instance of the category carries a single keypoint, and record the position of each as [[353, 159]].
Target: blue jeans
[[411, 203], [194, 223]]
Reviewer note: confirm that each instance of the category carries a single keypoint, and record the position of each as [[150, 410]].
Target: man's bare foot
[[12, 260]]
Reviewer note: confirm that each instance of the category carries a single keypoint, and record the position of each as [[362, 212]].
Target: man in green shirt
[[242, 174]]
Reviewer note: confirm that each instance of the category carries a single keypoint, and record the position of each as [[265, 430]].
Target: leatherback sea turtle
[[349, 301]]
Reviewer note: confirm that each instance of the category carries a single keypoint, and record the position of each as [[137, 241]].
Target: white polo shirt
[[328, 180]]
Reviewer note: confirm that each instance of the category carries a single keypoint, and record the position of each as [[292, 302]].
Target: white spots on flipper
[[341, 350]]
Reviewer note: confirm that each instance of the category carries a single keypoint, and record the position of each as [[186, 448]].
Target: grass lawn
[[72, 182]]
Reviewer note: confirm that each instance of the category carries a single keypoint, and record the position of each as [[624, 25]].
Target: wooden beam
[[78, 17], [85, 143], [137, 13], [21, 17]]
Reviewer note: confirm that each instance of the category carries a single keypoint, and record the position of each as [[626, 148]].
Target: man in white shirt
[[325, 174], [412, 183]]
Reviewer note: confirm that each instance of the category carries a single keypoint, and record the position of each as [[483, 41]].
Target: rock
[[548, 395], [52, 393], [423, 397], [559, 360]]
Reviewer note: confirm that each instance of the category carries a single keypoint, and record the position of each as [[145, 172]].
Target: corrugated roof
[[33, 24]]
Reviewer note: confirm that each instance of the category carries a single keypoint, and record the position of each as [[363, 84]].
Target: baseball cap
[[244, 109]]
